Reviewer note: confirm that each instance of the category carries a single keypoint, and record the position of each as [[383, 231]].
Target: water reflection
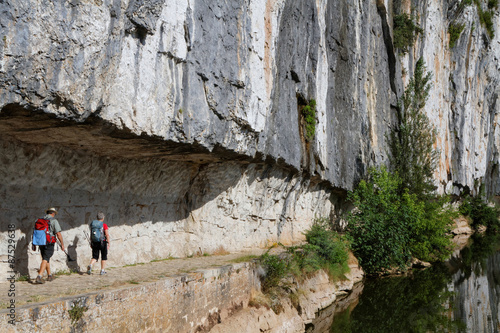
[[461, 295], [476, 285]]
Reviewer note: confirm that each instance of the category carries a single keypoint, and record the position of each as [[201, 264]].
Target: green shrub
[[78, 308], [405, 32], [387, 229], [324, 249], [329, 246], [481, 213], [379, 228], [431, 239], [492, 4], [305, 261], [455, 30], [276, 269], [486, 18], [309, 114]]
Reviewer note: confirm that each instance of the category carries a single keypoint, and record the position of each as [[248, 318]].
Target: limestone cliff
[[182, 119]]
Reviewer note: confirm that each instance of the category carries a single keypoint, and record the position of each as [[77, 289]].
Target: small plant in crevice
[[77, 310], [455, 30], [405, 32], [309, 115]]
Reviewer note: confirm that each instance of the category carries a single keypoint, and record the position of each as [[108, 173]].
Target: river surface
[[461, 295]]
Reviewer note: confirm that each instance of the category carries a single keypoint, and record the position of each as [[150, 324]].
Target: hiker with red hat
[[53, 230]]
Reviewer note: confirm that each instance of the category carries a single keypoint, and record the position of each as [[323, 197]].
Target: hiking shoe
[[89, 269], [50, 278], [39, 280], [103, 272]]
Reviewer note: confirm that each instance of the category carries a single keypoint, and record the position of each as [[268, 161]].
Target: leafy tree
[[380, 227], [387, 228], [412, 153], [431, 237]]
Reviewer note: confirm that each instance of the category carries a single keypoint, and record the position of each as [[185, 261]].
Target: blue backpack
[[97, 231]]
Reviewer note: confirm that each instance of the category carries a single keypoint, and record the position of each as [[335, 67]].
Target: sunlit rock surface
[[181, 119]]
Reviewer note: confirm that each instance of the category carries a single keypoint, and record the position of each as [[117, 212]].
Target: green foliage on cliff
[[486, 19], [309, 114], [455, 30], [485, 15], [405, 32], [431, 238], [388, 227], [77, 310], [411, 142]]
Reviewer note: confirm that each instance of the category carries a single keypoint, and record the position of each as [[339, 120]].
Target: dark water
[[462, 295]]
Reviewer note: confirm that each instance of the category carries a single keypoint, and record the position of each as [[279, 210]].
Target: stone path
[[28, 293]]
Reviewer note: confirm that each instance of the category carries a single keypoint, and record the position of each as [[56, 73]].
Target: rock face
[[182, 119]]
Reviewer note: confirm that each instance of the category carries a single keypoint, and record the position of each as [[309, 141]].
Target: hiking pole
[[66, 253]]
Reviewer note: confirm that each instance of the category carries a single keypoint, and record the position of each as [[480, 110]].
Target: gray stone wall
[[189, 303], [207, 300]]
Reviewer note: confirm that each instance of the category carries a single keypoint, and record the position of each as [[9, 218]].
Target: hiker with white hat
[[47, 250]]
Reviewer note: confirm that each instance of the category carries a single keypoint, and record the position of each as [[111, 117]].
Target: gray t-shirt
[[54, 225]]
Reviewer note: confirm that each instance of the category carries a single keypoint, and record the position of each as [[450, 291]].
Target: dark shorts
[[100, 247], [47, 251]]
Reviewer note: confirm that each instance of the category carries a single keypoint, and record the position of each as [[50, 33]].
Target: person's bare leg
[[47, 267], [89, 267], [43, 267], [103, 264]]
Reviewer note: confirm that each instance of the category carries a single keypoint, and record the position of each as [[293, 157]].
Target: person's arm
[[57, 231], [59, 236], [106, 233]]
